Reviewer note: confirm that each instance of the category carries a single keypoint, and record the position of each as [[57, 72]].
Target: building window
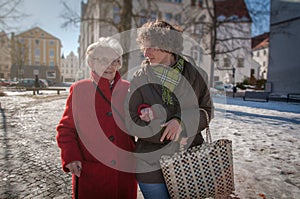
[[200, 3], [37, 42], [240, 63], [51, 63], [265, 52], [37, 52], [168, 16], [153, 15], [196, 54], [51, 53], [264, 63], [252, 72], [51, 42], [226, 62], [257, 54], [177, 1], [51, 74], [116, 14], [178, 18], [143, 17]]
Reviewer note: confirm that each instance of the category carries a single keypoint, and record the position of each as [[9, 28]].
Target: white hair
[[105, 42]]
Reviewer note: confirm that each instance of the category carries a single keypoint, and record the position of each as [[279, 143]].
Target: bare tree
[[224, 37], [19, 55], [126, 17], [9, 13], [200, 17]]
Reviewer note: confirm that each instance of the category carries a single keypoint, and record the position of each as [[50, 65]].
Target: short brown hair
[[161, 35]]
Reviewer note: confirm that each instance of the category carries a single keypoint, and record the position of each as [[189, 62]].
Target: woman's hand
[[172, 131], [146, 114], [75, 167]]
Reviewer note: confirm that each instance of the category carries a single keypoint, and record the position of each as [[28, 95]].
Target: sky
[[46, 15]]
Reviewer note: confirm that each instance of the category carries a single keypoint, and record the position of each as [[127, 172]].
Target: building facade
[[284, 65], [233, 62], [5, 56], [70, 70], [196, 18], [36, 52], [260, 53]]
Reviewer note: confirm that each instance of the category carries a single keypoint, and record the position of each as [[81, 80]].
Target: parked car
[[29, 82], [219, 85], [13, 83], [50, 82], [3, 82], [45, 83]]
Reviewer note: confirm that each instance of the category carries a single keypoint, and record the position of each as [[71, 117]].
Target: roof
[[260, 41], [232, 10], [36, 32]]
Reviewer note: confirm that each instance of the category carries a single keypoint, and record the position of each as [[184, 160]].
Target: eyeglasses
[[104, 61]]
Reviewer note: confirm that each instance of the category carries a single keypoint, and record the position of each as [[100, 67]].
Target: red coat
[[90, 131]]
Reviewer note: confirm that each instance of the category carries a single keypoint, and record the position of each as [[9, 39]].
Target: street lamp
[[233, 82]]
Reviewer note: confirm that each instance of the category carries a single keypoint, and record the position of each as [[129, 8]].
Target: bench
[[45, 89], [293, 96], [256, 96]]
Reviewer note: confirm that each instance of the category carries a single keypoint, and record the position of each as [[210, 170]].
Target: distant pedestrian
[[90, 133], [37, 83]]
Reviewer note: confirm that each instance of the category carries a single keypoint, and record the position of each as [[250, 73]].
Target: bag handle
[[207, 130]]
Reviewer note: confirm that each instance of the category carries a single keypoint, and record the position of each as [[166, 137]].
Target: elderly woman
[[164, 104], [91, 133]]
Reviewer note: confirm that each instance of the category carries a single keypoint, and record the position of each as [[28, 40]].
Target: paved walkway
[[29, 157], [30, 165]]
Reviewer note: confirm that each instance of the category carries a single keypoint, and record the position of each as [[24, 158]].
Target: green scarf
[[169, 78]]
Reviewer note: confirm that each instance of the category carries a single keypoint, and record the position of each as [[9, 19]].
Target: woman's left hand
[[172, 131]]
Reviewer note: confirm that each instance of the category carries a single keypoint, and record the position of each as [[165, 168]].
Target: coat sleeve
[[147, 131], [67, 138], [205, 102]]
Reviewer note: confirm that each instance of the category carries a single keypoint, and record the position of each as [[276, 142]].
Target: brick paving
[[29, 157], [266, 155]]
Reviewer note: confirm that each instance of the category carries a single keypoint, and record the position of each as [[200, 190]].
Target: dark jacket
[[92, 133], [191, 94]]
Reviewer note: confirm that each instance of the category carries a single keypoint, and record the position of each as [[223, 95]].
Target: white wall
[[284, 65]]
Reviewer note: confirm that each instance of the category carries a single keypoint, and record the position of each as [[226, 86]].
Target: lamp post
[[233, 82]]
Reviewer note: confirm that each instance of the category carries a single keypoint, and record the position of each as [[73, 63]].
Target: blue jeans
[[154, 191]]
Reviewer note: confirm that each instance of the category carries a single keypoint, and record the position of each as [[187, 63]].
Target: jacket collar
[[104, 83]]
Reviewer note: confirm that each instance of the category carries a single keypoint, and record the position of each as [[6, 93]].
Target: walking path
[[266, 148]]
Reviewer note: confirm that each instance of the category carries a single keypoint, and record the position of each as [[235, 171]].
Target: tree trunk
[[125, 25]]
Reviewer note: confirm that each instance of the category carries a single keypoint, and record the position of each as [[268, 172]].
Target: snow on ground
[[266, 145], [266, 139]]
